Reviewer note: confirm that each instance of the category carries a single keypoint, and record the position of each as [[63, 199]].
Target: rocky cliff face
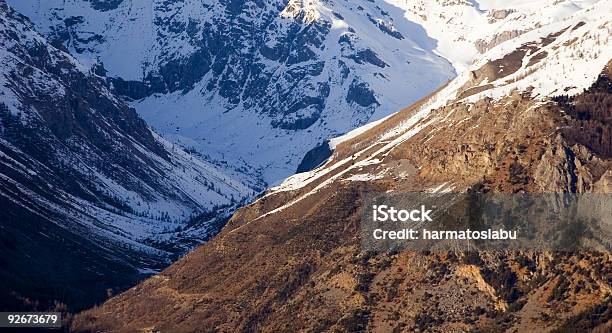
[[292, 260], [88, 192]]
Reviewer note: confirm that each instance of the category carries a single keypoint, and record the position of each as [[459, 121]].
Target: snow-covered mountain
[[256, 81], [562, 58], [533, 114], [243, 90], [260, 83], [85, 185]]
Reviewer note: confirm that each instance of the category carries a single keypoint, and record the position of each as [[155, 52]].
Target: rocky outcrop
[[561, 170], [604, 184], [500, 14], [484, 45]]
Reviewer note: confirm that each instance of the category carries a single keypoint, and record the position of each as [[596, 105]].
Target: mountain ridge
[[101, 184], [295, 252]]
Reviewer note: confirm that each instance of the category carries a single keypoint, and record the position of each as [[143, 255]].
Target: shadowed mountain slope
[[90, 197]]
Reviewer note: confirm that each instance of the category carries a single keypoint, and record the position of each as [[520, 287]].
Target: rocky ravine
[[292, 261]]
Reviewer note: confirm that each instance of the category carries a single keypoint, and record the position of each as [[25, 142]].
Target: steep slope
[[88, 193], [294, 72], [293, 261]]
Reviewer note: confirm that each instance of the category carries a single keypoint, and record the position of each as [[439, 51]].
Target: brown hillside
[[301, 268]]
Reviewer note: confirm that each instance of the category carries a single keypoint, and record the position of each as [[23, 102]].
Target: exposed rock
[[604, 184], [499, 14], [560, 170], [484, 45]]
